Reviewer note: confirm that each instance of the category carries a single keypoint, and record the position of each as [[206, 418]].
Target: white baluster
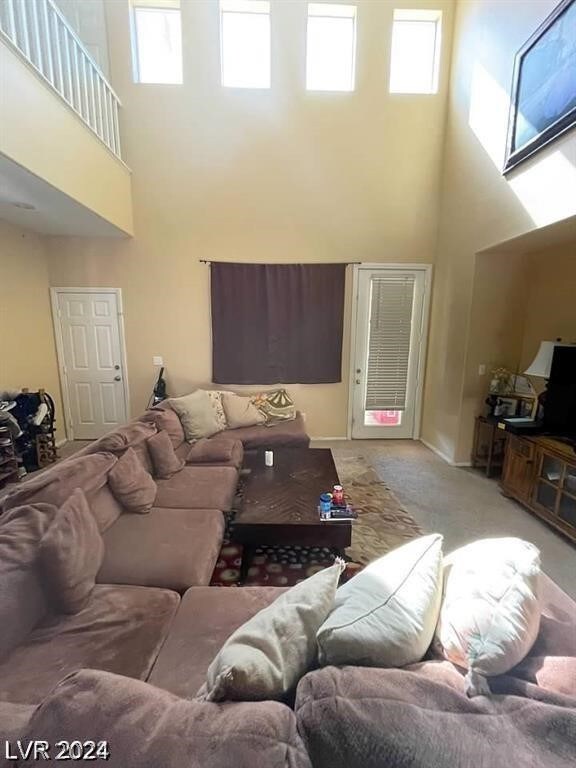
[[105, 120], [36, 34], [24, 43], [11, 21], [55, 35], [94, 118], [76, 76], [85, 101], [50, 68], [116, 129], [68, 66]]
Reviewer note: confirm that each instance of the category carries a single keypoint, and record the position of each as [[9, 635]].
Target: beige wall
[[550, 300], [43, 135], [480, 207], [271, 176], [28, 354]]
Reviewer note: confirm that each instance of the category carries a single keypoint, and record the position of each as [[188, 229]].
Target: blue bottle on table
[[325, 506]]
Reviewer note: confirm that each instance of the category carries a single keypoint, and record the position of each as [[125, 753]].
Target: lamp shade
[[542, 363]]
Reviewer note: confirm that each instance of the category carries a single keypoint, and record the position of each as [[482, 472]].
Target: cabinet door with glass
[[555, 490]]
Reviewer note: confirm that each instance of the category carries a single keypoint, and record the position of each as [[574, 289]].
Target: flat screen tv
[[560, 407]]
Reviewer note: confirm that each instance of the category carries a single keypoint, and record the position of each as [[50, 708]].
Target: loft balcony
[[60, 145]]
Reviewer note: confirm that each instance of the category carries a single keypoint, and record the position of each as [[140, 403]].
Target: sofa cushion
[[89, 472], [145, 727], [266, 656], [209, 458], [276, 405], [120, 630], [104, 506], [132, 486], [172, 548], [133, 435], [357, 717], [70, 555], [241, 411], [490, 613], [14, 719], [206, 618], [197, 414], [198, 488], [164, 460], [215, 396], [386, 615], [165, 419], [287, 434], [22, 599]]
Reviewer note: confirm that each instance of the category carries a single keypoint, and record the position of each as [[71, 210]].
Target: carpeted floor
[[382, 525]]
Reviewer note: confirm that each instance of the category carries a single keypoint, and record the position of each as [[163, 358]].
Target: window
[[415, 51], [330, 47], [157, 42], [245, 43]]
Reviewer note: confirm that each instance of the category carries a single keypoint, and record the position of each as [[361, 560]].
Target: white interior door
[[390, 334], [90, 349]]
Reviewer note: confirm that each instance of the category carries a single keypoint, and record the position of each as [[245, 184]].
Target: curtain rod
[[282, 264]]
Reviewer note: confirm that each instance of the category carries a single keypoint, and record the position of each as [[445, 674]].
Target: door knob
[[117, 378], [116, 367], [357, 381], [358, 370]]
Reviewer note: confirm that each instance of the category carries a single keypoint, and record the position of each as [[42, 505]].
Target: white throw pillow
[[241, 411], [266, 656], [490, 613], [386, 615], [197, 414]]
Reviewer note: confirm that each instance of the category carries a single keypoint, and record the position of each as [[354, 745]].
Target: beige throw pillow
[[197, 414], [386, 615], [266, 656], [241, 411]]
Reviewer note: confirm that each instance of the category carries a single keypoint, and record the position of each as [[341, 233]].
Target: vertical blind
[[391, 304]]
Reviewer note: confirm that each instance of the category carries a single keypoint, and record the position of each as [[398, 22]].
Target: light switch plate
[[482, 370], [158, 360]]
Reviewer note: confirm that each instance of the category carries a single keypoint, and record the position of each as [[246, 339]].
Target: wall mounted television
[[560, 407]]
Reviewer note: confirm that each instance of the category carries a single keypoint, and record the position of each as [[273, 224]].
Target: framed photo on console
[[543, 100]]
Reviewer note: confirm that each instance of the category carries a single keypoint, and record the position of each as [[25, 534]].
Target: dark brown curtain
[[277, 323]]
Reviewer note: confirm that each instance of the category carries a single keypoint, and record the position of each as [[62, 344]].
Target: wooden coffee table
[[280, 503]]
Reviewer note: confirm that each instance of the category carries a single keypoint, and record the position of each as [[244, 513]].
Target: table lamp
[[541, 365]]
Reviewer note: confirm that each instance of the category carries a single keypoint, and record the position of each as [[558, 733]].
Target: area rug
[[382, 525]]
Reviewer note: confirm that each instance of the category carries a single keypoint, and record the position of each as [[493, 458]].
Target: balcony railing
[[44, 37]]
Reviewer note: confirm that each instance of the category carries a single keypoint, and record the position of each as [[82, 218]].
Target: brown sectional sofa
[[126, 668]]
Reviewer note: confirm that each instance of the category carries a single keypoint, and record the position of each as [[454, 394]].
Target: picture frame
[[507, 406], [543, 98]]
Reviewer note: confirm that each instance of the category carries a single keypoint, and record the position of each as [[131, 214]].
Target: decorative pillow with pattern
[[216, 401], [276, 405]]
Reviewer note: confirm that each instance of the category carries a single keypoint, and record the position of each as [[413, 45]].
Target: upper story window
[[245, 43], [415, 51], [330, 47], [157, 41]]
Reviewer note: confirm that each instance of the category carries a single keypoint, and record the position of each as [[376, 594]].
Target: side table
[[489, 446]]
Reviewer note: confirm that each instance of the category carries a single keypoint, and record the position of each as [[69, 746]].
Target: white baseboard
[[328, 438], [60, 443], [443, 456]]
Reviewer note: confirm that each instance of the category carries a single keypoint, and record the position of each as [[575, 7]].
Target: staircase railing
[[41, 33]]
